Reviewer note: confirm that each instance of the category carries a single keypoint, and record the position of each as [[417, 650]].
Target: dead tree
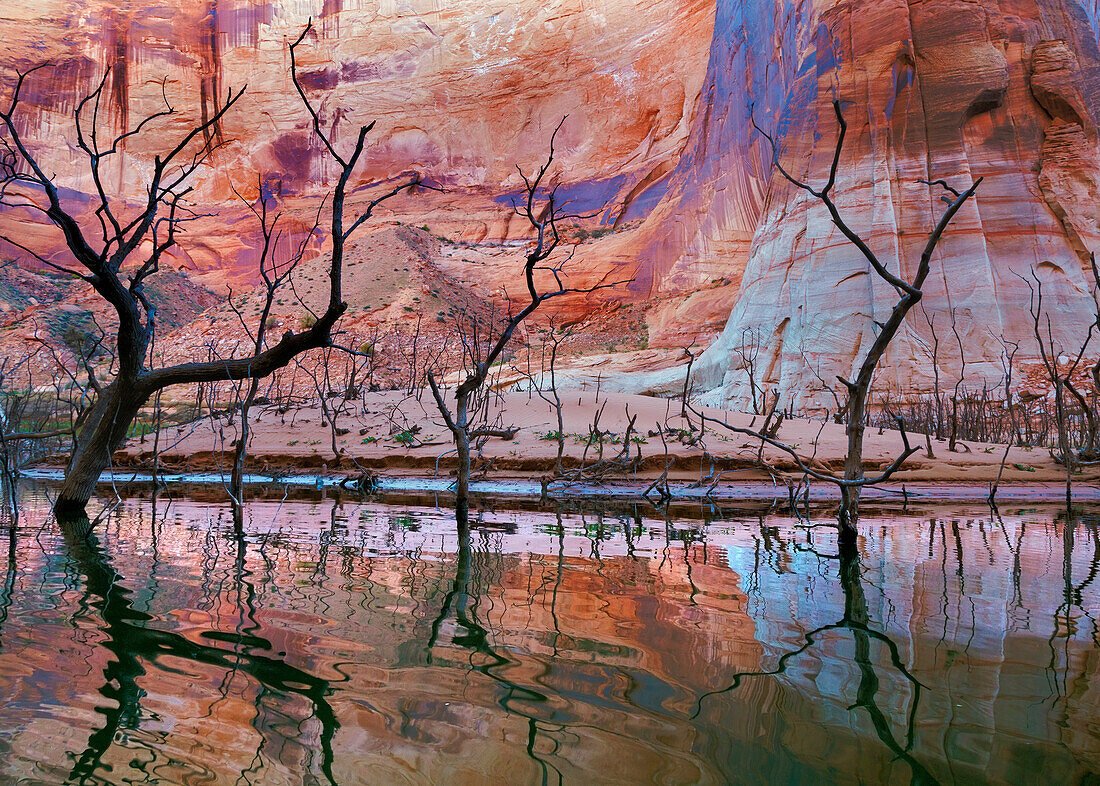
[[934, 351], [686, 392], [543, 212], [1008, 358], [274, 272], [960, 386], [909, 294], [1096, 302], [1090, 448], [1062, 381], [749, 353], [116, 252]]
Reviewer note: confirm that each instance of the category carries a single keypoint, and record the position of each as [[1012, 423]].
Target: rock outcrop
[[659, 97], [950, 90]]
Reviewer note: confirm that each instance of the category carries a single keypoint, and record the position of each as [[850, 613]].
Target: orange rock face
[[657, 140], [460, 92]]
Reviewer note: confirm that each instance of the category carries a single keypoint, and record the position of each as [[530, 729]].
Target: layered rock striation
[[950, 90], [658, 97]]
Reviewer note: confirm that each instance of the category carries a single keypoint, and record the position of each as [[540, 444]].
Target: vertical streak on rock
[[330, 17], [210, 70], [118, 45], [717, 191]]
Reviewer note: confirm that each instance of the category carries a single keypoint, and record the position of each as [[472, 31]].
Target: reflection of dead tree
[[856, 620], [132, 646], [909, 294], [543, 214], [470, 636]]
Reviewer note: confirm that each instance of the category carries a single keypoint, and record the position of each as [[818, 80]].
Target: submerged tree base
[[72, 518]]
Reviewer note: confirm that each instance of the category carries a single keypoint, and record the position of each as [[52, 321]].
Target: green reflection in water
[[556, 646], [133, 644]]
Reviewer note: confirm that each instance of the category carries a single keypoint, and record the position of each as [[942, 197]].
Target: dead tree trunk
[[274, 273], [104, 431], [543, 214], [909, 294], [1050, 353]]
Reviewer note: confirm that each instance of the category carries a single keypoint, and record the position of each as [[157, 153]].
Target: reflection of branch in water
[[1094, 569], [7, 590], [1066, 623], [1017, 596], [628, 530], [242, 639], [855, 611], [687, 537], [462, 605], [259, 720], [855, 619], [1094, 564], [1063, 614], [559, 574], [132, 644]]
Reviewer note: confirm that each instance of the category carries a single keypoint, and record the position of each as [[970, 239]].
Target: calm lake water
[[342, 642]]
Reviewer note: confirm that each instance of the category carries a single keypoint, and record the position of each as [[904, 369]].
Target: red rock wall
[[657, 94], [461, 91]]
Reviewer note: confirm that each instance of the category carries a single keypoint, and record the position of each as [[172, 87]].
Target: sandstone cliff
[[658, 140], [1003, 90]]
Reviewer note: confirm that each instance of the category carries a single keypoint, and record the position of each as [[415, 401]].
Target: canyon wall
[[657, 96], [461, 92], [1004, 90]]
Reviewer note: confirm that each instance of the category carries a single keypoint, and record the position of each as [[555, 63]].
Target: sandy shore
[[398, 435]]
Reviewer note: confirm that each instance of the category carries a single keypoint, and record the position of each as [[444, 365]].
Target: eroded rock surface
[[948, 90], [658, 140]]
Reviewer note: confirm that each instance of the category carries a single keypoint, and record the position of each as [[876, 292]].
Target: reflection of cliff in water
[[330, 639]]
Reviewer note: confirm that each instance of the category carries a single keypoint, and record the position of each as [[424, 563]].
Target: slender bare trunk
[[853, 462], [236, 477], [462, 446], [1063, 438]]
